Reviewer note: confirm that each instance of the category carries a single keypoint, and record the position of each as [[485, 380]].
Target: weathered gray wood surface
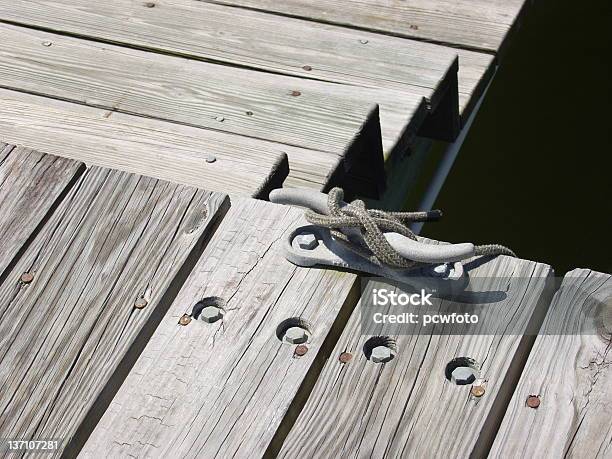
[[569, 369], [475, 73], [31, 185], [261, 41], [149, 147], [222, 389], [406, 407], [245, 38], [116, 238], [312, 114], [477, 24]]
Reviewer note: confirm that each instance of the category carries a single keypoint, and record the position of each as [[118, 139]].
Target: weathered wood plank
[[475, 73], [150, 147], [31, 186], [222, 389], [471, 24], [338, 119], [569, 371], [244, 38], [407, 407], [104, 267]]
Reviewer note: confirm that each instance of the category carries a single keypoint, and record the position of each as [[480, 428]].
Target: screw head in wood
[[308, 68], [301, 350], [381, 354], [211, 158], [533, 401], [211, 314], [477, 391], [221, 119], [363, 41], [463, 376], [296, 335], [26, 278], [249, 113], [295, 93], [149, 4], [185, 320], [47, 43], [345, 357], [140, 303]]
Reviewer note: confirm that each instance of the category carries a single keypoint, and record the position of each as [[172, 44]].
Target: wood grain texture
[[31, 185], [476, 71], [245, 38], [406, 407], [145, 146], [250, 39], [569, 368], [304, 113], [471, 24], [222, 389], [116, 238]]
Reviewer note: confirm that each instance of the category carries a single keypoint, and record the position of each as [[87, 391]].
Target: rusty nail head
[[478, 391], [185, 319], [301, 350], [345, 357], [26, 278], [533, 401], [295, 93], [308, 68], [140, 303]]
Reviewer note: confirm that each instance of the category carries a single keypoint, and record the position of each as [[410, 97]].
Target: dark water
[[535, 170]]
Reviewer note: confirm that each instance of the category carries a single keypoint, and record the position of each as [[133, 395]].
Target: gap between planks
[[224, 388], [361, 408], [149, 147], [339, 119], [262, 42], [568, 372], [304, 113], [177, 27], [480, 25], [32, 184], [115, 238]]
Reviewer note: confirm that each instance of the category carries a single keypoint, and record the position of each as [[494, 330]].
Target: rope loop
[[372, 224]]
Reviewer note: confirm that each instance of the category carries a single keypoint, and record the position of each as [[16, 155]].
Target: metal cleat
[[321, 248]]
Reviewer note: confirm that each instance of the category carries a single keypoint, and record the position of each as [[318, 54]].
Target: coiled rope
[[372, 223]]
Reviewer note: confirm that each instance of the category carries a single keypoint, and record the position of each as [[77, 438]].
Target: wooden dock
[[140, 141], [227, 80]]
